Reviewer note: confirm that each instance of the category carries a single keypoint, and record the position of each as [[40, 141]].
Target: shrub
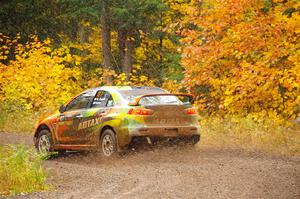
[[37, 75]]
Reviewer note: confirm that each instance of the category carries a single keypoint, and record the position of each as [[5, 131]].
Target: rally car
[[111, 118]]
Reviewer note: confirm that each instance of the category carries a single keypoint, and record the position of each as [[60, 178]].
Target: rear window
[[160, 100], [129, 95]]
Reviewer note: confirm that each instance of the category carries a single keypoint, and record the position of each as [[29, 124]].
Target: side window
[[103, 99], [110, 102], [82, 101]]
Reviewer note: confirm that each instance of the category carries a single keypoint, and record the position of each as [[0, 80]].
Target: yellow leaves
[[119, 79], [89, 50], [143, 78], [172, 86], [86, 23], [140, 53], [57, 59], [47, 41], [68, 58], [37, 79], [122, 77], [3, 57]]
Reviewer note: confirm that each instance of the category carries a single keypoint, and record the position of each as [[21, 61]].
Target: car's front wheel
[[44, 142], [108, 143]]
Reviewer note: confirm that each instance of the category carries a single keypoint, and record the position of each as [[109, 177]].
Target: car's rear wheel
[[108, 143], [194, 139], [44, 142]]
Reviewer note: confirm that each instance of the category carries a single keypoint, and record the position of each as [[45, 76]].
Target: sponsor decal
[[89, 123], [163, 121]]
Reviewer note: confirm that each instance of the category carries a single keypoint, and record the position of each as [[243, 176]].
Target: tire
[[44, 142], [108, 143], [195, 139]]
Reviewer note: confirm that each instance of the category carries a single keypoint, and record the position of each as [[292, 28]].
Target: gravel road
[[170, 172]]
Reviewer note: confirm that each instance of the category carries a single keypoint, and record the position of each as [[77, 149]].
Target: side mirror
[[62, 109]]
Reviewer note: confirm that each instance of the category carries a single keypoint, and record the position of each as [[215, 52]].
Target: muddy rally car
[[112, 118]]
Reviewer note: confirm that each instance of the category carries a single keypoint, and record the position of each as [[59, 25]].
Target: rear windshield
[[160, 100], [129, 95]]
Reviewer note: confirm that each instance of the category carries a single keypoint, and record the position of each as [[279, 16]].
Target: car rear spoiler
[[137, 99]]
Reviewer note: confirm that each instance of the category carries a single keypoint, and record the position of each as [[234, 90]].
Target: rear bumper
[[165, 131], [128, 134], [191, 139]]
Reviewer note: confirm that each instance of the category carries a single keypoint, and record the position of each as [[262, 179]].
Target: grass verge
[[21, 170], [18, 121], [247, 134]]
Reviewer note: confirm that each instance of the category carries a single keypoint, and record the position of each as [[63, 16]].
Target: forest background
[[240, 58]]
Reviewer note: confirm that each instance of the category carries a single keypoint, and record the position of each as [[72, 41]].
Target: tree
[[130, 17], [54, 18], [46, 18], [106, 38], [242, 57], [158, 54]]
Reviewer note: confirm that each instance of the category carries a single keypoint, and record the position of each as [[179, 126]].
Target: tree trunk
[[128, 58], [161, 40], [83, 34], [106, 39], [121, 41]]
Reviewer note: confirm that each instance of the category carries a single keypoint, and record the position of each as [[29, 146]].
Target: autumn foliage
[[239, 57], [242, 57], [37, 76]]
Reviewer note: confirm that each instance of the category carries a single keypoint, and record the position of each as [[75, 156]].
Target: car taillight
[[190, 111], [140, 111]]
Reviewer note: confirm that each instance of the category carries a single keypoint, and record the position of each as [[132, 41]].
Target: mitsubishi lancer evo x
[[111, 118]]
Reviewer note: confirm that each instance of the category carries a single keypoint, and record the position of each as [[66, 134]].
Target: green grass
[[247, 134], [21, 170]]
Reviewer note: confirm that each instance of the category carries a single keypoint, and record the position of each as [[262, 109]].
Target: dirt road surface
[[171, 172]]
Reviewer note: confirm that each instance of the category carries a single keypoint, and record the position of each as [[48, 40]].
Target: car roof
[[116, 91]]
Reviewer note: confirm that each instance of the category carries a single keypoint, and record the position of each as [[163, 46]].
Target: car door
[[69, 120], [89, 126]]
